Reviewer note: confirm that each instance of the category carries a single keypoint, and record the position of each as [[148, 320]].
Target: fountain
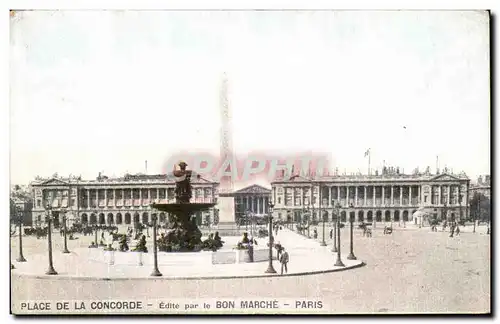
[[184, 235]]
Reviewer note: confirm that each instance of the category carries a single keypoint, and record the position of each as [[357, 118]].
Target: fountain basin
[[199, 259], [183, 209]]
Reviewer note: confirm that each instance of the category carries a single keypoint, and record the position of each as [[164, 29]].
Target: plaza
[[413, 270]]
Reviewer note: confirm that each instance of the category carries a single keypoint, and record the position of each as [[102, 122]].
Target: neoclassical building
[[112, 201], [374, 198], [253, 199]]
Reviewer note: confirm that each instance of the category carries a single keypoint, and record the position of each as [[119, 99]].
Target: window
[[73, 202], [425, 198], [279, 200], [38, 203]]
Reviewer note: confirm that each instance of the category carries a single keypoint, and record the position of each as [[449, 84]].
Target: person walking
[[284, 260], [279, 249], [331, 233], [457, 229]]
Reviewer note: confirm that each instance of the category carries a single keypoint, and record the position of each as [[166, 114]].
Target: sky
[[103, 91]]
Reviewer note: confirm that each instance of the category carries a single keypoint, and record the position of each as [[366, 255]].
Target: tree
[[480, 207]]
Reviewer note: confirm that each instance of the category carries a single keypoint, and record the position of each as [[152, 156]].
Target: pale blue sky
[[105, 90]]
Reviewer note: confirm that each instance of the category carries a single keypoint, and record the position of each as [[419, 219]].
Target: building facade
[[251, 200], [112, 201], [375, 198], [482, 186]]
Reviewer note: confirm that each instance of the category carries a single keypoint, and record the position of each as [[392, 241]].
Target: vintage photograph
[[250, 162]]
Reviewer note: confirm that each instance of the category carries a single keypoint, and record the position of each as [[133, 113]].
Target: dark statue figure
[[184, 235], [183, 189], [141, 246]]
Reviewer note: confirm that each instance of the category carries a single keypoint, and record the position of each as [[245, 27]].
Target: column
[[439, 195], [401, 196], [88, 198], [374, 195], [347, 195], [123, 201], [392, 195], [449, 194], [383, 196], [338, 194], [419, 195], [364, 204], [258, 205], [158, 194], [329, 198], [356, 196], [140, 197], [106, 197], [409, 193]]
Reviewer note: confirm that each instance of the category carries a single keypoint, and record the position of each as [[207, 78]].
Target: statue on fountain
[[184, 234], [183, 189], [141, 246]]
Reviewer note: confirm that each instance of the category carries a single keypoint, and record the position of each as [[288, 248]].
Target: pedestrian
[[457, 229], [279, 249], [315, 233], [284, 261], [331, 233]]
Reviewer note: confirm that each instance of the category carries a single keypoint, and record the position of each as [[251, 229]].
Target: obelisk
[[226, 204]]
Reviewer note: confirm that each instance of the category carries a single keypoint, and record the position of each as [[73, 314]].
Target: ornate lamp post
[[351, 255], [65, 250], [20, 213], [270, 268], [339, 262], [323, 243], [306, 221], [156, 272], [335, 218], [51, 270]]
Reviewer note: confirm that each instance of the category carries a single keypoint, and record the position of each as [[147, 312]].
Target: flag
[[367, 152]]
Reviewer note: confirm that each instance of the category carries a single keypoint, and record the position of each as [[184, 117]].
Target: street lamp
[[51, 270], [20, 220], [323, 243], [65, 250], [156, 272], [270, 268], [351, 255], [96, 242], [335, 218], [339, 262], [308, 213]]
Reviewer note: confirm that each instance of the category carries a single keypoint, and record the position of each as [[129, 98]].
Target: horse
[[387, 230]]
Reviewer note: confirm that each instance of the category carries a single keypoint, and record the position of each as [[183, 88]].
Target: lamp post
[[351, 255], [270, 268], [20, 220], [339, 262], [306, 205], [323, 243], [96, 243], [156, 272], [335, 218], [51, 270], [65, 250]]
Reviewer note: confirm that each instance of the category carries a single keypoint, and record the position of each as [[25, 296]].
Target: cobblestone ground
[[412, 270]]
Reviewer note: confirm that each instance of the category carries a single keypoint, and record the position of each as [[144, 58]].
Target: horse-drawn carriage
[[367, 231]]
